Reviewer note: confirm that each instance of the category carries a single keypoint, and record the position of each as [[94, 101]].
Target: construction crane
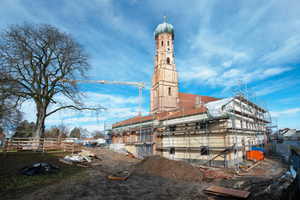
[[141, 86]]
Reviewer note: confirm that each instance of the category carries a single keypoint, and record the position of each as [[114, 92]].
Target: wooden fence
[[37, 145]]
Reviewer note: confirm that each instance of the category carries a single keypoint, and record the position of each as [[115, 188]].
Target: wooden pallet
[[115, 177], [227, 192]]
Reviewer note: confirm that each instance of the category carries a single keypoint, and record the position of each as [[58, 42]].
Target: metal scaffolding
[[206, 135]]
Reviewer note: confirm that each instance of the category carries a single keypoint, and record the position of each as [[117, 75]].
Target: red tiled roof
[[106, 137], [186, 111], [2, 136], [186, 99], [286, 129], [134, 120], [186, 107]]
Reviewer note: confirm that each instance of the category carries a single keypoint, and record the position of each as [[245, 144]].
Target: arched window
[[168, 60], [169, 90], [168, 43], [162, 43]]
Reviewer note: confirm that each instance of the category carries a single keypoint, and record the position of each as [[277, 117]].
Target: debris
[[272, 169], [82, 159], [131, 155], [85, 153], [40, 168], [238, 184], [214, 175], [227, 192], [121, 175]]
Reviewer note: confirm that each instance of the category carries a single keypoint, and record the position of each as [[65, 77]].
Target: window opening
[[169, 90], [172, 150], [168, 60], [168, 43], [172, 128], [204, 151], [162, 43]]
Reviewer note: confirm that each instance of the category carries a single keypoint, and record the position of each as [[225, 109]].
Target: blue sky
[[216, 43]]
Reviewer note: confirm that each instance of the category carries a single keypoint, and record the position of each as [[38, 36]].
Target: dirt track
[[93, 183]]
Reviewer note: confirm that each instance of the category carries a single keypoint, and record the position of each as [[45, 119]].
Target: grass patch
[[14, 185]]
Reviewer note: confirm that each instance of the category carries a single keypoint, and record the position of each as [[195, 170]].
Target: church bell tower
[[164, 90]]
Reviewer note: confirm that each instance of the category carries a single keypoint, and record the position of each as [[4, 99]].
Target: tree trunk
[[40, 122]]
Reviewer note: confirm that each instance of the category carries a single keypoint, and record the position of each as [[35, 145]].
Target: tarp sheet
[[40, 168], [215, 107]]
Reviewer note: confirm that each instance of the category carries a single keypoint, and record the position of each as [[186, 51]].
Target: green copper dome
[[164, 27]]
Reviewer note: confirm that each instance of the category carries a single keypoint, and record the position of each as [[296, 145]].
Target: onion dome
[[164, 27]]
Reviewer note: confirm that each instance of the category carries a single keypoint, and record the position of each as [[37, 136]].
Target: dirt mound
[[166, 168]]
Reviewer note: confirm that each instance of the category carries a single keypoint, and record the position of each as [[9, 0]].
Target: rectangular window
[[162, 43], [172, 128], [204, 151], [172, 150]]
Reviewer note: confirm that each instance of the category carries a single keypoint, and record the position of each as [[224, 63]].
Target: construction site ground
[[160, 178]]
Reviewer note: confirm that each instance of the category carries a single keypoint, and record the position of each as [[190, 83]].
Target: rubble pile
[[215, 175]]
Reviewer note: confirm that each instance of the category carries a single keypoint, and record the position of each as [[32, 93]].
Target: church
[[194, 128]]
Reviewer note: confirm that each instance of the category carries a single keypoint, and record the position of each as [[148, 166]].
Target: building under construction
[[194, 128]]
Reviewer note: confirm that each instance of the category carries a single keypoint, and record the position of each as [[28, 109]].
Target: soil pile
[[166, 168]]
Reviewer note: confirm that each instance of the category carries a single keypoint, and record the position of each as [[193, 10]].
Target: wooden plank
[[247, 174], [95, 164], [64, 161], [80, 165], [227, 192], [71, 163], [252, 167]]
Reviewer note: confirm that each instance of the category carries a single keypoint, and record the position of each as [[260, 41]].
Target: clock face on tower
[[168, 49]]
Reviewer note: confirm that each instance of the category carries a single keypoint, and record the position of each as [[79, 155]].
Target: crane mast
[[141, 86]]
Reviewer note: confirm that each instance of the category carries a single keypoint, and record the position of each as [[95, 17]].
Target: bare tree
[[10, 116], [54, 132], [97, 134], [35, 59], [64, 131]]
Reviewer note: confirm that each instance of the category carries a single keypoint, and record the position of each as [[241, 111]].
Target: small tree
[[35, 61], [75, 133], [64, 131], [25, 129]]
